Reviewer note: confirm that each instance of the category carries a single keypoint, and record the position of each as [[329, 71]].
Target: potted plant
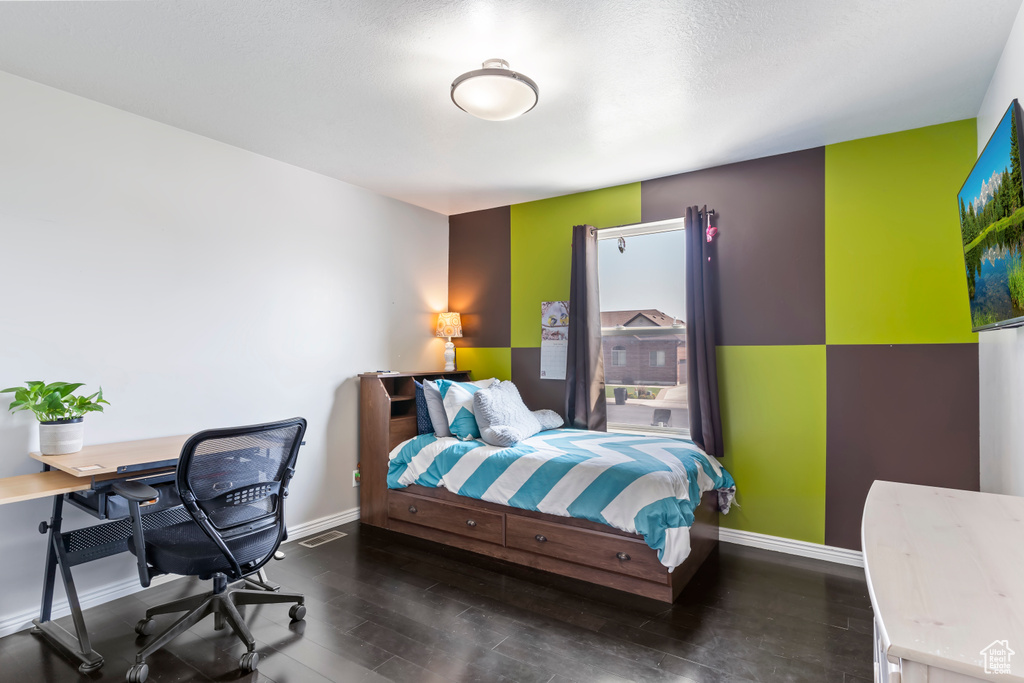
[[59, 411]]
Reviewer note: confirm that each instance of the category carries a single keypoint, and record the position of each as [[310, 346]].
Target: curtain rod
[[705, 211]]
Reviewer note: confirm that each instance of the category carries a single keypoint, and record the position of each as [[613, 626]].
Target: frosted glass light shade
[[449, 325], [495, 92]]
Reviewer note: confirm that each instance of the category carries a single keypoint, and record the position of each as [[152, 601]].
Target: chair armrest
[[136, 490], [136, 493]]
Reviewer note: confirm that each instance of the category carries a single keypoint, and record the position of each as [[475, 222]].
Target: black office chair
[[233, 483]]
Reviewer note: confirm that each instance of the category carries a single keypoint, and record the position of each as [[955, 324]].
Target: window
[[643, 301], [619, 356]]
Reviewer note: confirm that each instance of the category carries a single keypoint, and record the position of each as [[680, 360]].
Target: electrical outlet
[[355, 477]]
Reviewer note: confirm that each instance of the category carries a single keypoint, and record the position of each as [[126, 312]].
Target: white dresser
[[945, 570]]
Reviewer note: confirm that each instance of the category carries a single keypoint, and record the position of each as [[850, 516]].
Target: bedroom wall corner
[[218, 287]]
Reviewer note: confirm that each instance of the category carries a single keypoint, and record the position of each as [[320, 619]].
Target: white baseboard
[[854, 558], [18, 622], [315, 526]]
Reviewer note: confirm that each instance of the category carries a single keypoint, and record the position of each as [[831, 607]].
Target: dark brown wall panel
[[771, 244], [480, 276], [906, 413], [537, 393]]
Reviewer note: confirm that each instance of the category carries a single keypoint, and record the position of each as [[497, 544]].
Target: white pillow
[[503, 418]]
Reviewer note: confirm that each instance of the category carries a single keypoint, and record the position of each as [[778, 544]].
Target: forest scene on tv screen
[[992, 223]]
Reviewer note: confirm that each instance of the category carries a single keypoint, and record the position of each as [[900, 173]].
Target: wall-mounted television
[[991, 204]]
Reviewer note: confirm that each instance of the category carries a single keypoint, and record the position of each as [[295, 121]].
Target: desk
[[125, 457], [944, 573], [85, 479], [89, 472]]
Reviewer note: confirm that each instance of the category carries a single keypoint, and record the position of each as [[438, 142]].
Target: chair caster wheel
[[137, 674], [297, 612], [88, 668], [249, 661], [144, 627]]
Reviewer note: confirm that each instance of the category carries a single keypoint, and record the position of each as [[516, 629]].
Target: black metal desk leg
[[75, 646], [50, 569]]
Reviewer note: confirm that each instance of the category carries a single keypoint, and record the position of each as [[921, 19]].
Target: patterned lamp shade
[[449, 325]]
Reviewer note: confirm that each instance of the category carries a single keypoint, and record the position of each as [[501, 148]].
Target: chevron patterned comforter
[[648, 485]]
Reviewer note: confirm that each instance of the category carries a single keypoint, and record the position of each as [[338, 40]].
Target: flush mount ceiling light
[[495, 92]]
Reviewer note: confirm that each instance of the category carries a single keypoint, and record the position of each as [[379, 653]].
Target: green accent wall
[[541, 237], [894, 269], [485, 363], [883, 242], [773, 417]]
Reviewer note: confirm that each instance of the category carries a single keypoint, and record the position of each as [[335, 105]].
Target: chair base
[[223, 604]]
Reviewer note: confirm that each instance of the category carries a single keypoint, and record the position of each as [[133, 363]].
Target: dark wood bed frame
[[565, 546]]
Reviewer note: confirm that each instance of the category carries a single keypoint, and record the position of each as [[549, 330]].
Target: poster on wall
[[554, 338]]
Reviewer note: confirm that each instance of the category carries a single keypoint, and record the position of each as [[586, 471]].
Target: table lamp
[[449, 325]]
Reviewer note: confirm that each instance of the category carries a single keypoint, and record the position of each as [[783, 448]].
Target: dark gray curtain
[[584, 373], [701, 370]]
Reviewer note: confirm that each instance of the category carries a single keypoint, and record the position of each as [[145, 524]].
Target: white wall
[[1001, 352], [202, 286]]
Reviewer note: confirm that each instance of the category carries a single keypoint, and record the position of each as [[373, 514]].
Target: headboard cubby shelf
[[387, 417]]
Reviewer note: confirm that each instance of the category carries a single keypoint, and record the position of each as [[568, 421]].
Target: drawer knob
[[470, 522], [412, 509], [622, 556], [541, 538]]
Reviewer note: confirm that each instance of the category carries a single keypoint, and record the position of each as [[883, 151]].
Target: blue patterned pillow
[[423, 423], [458, 407]]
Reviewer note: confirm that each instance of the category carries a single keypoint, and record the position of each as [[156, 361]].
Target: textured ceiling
[[628, 89]]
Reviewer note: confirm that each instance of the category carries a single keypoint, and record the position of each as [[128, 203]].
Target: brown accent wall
[[771, 258], [480, 276], [906, 413], [537, 393]]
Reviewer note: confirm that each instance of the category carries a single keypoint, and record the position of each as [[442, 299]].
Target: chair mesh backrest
[[235, 475]]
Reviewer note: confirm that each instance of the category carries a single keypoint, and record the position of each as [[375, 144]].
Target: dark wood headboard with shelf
[[387, 417]]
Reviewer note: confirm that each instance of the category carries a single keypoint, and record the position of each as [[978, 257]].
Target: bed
[[630, 512]]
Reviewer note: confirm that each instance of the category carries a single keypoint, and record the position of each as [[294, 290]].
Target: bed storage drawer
[[591, 548], [474, 523]]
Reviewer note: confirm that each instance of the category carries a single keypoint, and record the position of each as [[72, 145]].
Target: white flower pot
[[61, 437]]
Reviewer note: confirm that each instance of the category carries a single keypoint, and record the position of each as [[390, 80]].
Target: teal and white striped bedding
[[648, 485]]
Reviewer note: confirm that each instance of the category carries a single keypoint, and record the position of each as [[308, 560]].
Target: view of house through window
[[643, 330]]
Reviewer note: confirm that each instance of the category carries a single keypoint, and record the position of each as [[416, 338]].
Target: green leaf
[[11, 390], [68, 388]]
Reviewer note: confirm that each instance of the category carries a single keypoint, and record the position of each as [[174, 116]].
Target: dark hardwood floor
[[385, 608]]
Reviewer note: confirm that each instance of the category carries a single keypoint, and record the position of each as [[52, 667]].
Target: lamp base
[[449, 356]]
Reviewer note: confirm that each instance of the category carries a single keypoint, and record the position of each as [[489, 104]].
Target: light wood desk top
[[39, 485], [945, 572], [114, 457]]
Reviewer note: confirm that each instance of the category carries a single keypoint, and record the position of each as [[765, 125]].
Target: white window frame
[[656, 359], [615, 351], [614, 233]]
